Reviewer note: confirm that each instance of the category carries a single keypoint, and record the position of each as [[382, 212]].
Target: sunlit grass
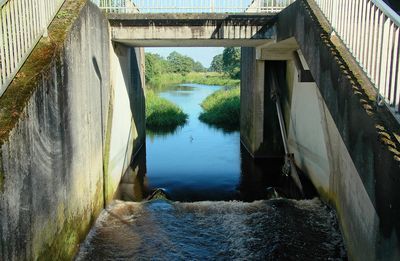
[[206, 78], [162, 115], [222, 109]]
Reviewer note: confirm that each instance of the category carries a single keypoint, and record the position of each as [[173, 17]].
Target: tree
[[155, 65], [198, 67], [231, 61], [217, 64], [179, 63]]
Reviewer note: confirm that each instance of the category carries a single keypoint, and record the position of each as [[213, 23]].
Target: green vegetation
[[178, 68], [162, 115], [228, 62], [207, 78], [222, 109], [175, 63]]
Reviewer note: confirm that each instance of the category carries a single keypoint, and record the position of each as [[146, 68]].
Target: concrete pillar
[[258, 126]]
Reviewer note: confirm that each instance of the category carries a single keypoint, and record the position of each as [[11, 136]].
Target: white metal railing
[[22, 24], [370, 30], [193, 6], [268, 6]]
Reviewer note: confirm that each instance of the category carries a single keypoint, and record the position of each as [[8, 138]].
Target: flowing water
[[221, 203]]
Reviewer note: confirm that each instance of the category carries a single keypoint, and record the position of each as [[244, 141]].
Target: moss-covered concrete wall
[[56, 124]]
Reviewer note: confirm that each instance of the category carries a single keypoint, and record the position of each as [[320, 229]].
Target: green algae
[[65, 244], [107, 195], [1, 173], [68, 231]]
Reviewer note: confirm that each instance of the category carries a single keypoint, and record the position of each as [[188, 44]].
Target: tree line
[[174, 63], [228, 62]]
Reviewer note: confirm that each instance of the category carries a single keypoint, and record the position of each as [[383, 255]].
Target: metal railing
[[192, 6], [268, 6], [370, 31], [22, 24]]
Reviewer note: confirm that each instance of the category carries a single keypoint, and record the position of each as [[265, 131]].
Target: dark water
[[218, 210], [199, 162]]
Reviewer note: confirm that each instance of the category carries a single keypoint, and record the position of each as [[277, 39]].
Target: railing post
[[42, 10]]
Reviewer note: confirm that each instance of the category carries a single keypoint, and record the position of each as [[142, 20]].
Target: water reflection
[[199, 162], [151, 134], [256, 178], [134, 185]]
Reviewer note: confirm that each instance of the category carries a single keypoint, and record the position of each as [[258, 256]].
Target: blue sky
[[201, 54]]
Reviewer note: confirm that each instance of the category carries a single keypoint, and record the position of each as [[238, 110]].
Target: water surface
[[278, 229], [218, 208], [199, 162]]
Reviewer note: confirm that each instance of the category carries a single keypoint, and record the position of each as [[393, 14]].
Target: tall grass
[[161, 114], [207, 78], [222, 109]]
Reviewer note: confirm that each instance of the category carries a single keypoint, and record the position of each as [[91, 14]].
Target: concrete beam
[[277, 51], [192, 42], [191, 29]]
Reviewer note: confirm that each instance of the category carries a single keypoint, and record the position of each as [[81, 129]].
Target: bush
[[222, 109], [162, 115]]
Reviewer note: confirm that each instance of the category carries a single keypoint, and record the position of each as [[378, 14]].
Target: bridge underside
[[191, 30], [193, 43]]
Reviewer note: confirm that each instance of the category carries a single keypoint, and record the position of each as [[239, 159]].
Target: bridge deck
[[139, 19], [138, 29]]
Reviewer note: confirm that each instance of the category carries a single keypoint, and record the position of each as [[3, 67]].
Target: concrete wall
[[343, 140], [321, 153], [65, 145], [259, 126], [127, 131]]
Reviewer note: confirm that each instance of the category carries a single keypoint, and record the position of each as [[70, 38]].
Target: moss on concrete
[[107, 194], [47, 51], [1, 173], [64, 246], [68, 231]]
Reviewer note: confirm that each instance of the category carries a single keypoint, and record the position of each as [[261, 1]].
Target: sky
[[201, 54]]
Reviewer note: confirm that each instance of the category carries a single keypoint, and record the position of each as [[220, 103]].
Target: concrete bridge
[[160, 30], [72, 118]]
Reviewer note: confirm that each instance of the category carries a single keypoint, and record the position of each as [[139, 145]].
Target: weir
[[72, 119]]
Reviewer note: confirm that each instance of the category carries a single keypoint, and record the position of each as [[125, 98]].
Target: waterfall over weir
[[277, 229]]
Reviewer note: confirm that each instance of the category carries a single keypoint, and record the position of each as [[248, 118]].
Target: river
[[223, 204]]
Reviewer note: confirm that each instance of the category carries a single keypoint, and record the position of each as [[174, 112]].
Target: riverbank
[[206, 78], [161, 114], [222, 109]]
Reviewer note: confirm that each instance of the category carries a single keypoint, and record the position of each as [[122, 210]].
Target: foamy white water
[[278, 229]]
